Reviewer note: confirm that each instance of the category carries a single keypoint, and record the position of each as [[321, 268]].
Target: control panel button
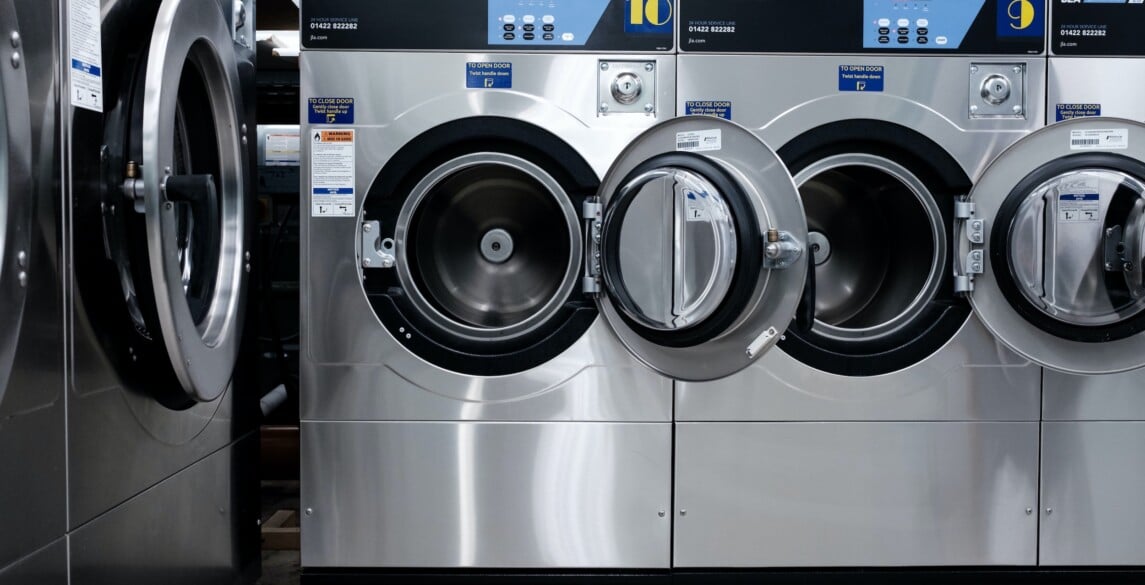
[[884, 22], [509, 19], [884, 31], [510, 27], [903, 31], [922, 23], [549, 28], [904, 40], [941, 40], [529, 36], [529, 27], [884, 39], [996, 89], [922, 40], [509, 36], [529, 19], [548, 19], [923, 31], [626, 88], [568, 37], [549, 36], [904, 22]]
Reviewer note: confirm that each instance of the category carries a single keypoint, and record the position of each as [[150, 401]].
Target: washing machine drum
[[493, 246]]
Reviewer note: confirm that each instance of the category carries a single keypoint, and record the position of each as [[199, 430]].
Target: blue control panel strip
[[544, 22], [918, 24]]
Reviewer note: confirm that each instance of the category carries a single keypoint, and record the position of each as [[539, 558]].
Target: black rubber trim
[[393, 186], [749, 246], [946, 314], [1003, 266]]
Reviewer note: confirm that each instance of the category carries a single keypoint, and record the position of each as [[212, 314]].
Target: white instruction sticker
[[1115, 139], [332, 173], [85, 55], [702, 141], [695, 208], [1079, 208], [282, 149]]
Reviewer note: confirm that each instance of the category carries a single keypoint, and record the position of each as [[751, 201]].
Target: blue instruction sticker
[[861, 77], [718, 109], [498, 75], [1071, 111], [325, 110], [1079, 208]]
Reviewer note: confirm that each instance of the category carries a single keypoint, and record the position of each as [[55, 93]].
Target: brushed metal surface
[[855, 494], [972, 377], [197, 527], [33, 505], [47, 566], [121, 440], [352, 368], [494, 495], [1115, 84], [1116, 397], [1092, 477]]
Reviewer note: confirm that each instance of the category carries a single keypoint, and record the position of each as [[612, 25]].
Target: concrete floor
[[279, 567]]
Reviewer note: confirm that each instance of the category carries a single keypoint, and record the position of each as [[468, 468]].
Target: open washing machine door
[[696, 248], [16, 195], [178, 156], [1052, 245]]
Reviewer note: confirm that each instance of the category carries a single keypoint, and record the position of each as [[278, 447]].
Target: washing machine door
[[1053, 242], [192, 193], [16, 199], [697, 248]]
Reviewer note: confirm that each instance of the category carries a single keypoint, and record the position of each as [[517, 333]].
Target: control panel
[[620, 26], [627, 87], [972, 27], [997, 90]]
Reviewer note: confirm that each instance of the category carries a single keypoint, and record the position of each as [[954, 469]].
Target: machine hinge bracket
[[780, 250], [970, 259], [376, 252], [593, 214]]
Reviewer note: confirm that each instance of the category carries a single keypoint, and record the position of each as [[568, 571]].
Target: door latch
[[780, 250], [593, 214], [376, 252], [970, 258]]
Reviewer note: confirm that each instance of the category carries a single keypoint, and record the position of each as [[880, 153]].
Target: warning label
[[718, 109], [332, 173], [85, 47], [331, 110]]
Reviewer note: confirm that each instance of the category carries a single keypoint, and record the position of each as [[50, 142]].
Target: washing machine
[[1093, 429], [510, 249], [891, 427], [157, 137], [33, 497]]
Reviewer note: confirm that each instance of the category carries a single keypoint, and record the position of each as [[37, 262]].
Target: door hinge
[[593, 214], [376, 252], [969, 256]]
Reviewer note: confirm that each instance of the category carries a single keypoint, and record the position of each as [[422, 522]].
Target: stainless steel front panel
[[855, 494], [47, 566], [516, 495], [352, 368], [973, 377], [197, 527], [1115, 85], [1116, 397], [33, 505], [1092, 478]]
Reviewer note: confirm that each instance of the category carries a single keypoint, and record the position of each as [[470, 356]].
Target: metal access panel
[[489, 495], [1092, 479], [856, 494], [1115, 397]]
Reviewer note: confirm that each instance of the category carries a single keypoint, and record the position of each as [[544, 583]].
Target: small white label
[[332, 173], [1079, 208], [702, 141], [85, 55], [282, 150], [694, 209], [1115, 139]]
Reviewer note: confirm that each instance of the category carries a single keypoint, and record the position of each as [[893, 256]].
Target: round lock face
[[678, 249], [1076, 247]]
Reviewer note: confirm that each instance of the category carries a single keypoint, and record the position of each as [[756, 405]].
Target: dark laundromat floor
[[279, 567]]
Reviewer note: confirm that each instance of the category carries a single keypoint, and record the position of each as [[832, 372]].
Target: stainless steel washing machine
[[891, 428], [1093, 431], [510, 248], [33, 504], [157, 128]]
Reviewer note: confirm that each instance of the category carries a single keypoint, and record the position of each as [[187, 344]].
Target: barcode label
[[1114, 139], [703, 141]]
